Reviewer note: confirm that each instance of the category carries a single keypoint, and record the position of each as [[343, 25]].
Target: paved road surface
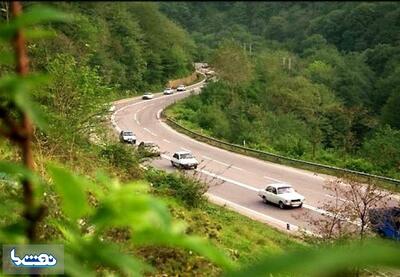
[[234, 178]]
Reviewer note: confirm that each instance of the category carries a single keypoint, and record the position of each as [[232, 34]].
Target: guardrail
[[278, 158]]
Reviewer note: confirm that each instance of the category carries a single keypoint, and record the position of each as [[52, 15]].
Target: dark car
[[386, 222]]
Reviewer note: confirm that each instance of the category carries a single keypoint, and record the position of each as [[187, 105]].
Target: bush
[[188, 190], [118, 155], [359, 165]]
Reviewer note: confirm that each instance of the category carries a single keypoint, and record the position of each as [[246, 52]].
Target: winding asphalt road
[[234, 178]]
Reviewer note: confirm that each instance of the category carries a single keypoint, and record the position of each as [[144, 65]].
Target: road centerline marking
[[149, 131]]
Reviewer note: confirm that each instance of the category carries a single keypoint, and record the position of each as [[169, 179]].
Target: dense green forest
[[317, 81]]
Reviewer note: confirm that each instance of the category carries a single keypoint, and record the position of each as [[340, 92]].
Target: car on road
[[148, 95], [149, 149], [181, 88], [168, 91], [127, 136], [184, 159], [386, 222], [281, 194]]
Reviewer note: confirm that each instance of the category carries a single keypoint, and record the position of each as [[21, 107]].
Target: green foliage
[[382, 148], [123, 206], [190, 191], [327, 260], [232, 63], [119, 155]]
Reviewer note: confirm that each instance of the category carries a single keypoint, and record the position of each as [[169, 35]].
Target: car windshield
[[186, 156], [128, 134], [283, 190]]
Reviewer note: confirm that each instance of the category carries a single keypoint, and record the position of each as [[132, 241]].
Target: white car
[[184, 159], [281, 194], [168, 91], [148, 95], [127, 136], [181, 88]]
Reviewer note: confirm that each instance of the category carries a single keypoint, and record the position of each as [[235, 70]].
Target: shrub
[[188, 190], [119, 155], [359, 165]]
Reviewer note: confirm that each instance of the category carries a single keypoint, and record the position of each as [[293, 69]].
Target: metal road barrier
[[278, 158]]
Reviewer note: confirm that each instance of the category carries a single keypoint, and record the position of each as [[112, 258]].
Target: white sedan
[[181, 88], [148, 95], [281, 194], [184, 159], [168, 91]]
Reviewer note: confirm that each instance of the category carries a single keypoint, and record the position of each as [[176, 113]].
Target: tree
[[347, 212], [232, 64], [390, 112]]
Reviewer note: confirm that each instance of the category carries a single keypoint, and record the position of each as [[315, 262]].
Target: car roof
[[279, 185]]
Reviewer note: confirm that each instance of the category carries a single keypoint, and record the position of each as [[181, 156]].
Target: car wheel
[[172, 163], [281, 205], [195, 167], [301, 205]]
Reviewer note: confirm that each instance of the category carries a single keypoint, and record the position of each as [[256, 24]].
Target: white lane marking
[[267, 218], [218, 162], [137, 121], [315, 209], [150, 132], [135, 116], [273, 179], [167, 141], [185, 149], [159, 113], [232, 166], [341, 199]]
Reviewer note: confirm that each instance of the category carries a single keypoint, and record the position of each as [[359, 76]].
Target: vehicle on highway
[[181, 88], [184, 159], [149, 148], [281, 194], [127, 136], [168, 91], [148, 95], [386, 222]]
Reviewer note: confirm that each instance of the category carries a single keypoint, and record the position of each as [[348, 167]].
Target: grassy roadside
[[176, 111]]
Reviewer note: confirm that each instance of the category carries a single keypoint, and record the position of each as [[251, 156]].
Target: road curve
[[233, 178]]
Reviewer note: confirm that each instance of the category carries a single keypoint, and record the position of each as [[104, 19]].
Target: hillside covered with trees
[[317, 81]]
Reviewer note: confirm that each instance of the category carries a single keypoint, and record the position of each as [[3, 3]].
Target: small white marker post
[[244, 143]]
